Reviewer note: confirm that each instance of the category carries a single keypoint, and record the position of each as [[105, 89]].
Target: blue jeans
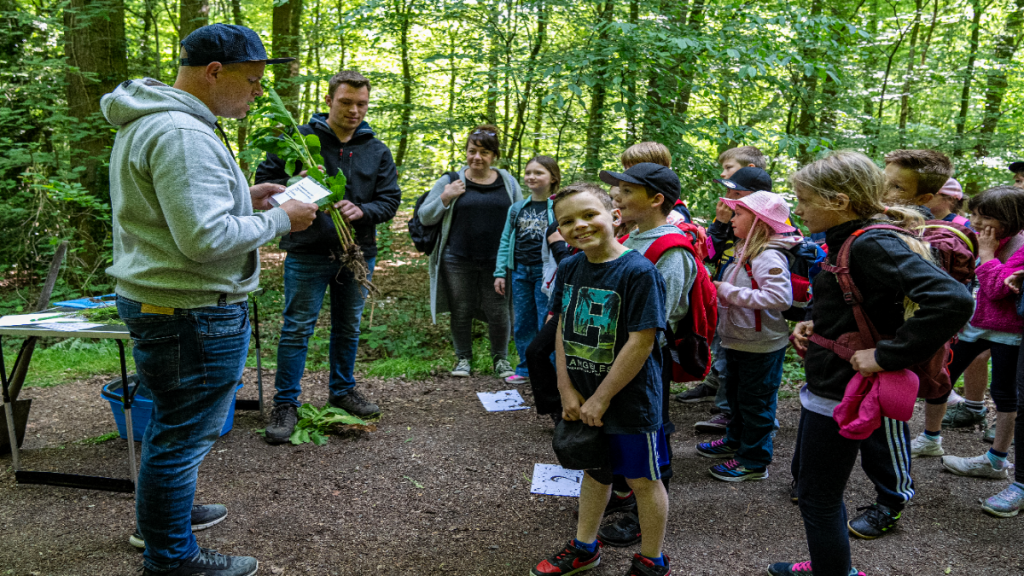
[[752, 385], [191, 362], [530, 305], [306, 278]]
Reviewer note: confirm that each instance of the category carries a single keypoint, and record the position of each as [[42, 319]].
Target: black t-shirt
[[601, 304], [478, 217], [531, 224]]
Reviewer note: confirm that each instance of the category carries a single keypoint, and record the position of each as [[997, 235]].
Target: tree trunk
[[538, 121], [908, 80], [95, 48], [403, 131], [193, 14], [694, 25], [491, 106], [806, 124], [965, 93], [285, 43], [995, 85], [595, 114], [515, 142], [243, 124]]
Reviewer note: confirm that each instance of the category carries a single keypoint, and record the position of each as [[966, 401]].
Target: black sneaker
[[211, 563], [203, 516], [793, 497], [571, 560], [644, 567], [282, 422], [623, 531], [616, 504], [876, 520], [354, 403], [700, 393]]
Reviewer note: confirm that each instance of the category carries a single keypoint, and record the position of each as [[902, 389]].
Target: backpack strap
[[753, 284], [452, 176], [958, 219], [666, 243]]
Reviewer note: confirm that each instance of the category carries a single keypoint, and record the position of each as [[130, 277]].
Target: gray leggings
[[470, 287]]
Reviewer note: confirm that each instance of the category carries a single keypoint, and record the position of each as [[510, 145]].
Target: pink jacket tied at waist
[[869, 398]]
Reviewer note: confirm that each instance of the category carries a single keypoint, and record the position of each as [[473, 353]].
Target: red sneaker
[[644, 567], [571, 560]]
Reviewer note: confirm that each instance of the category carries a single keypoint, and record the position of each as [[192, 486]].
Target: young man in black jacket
[[372, 196]]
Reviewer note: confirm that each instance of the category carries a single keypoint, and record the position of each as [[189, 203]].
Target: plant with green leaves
[[293, 147], [316, 423]]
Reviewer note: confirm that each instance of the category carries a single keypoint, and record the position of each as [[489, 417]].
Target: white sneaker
[[462, 368], [976, 466], [924, 445], [954, 398]]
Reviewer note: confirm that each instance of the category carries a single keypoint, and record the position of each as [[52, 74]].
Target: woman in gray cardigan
[[472, 212]]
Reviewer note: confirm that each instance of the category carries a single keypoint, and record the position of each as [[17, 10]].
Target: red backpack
[[690, 345], [932, 373]]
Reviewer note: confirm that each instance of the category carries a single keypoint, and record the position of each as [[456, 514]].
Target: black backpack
[[425, 237]]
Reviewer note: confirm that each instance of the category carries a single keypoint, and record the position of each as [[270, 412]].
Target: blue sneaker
[[716, 449], [800, 569], [733, 471], [1006, 504]]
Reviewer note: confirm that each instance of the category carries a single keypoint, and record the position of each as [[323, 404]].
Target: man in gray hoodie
[[185, 258]]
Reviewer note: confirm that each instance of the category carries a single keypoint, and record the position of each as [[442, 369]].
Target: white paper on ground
[[503, 401], [37, 318], [305, 190], [554, 480], [66, 326]]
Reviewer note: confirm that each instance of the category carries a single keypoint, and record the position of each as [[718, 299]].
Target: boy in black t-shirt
[[610, 301]]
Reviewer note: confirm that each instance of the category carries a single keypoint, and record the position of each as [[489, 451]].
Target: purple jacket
[[997, 305]]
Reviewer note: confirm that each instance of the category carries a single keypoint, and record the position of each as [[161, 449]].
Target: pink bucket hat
[[767, 207], [953, 189]]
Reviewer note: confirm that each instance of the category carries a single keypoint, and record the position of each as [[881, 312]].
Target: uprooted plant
[[316, 423], [292, 147]]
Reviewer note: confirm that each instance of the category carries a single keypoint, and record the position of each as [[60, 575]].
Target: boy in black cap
[[1018, 173]]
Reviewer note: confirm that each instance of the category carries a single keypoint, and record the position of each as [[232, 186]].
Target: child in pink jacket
[[754, 291]]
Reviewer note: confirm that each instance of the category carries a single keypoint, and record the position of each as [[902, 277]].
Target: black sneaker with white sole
[[203, 516], [211, 563]]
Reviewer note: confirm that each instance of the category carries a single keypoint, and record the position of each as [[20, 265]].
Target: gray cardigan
[[433, 211]]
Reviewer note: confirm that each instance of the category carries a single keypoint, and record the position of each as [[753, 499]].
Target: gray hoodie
[[184, 229]]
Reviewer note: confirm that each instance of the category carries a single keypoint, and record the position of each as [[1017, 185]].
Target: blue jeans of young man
[[752, 384], [191, 362], [306, 279], [530, 305]]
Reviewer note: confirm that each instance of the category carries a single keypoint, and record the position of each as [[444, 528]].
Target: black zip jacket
[[885, 270], [372, 185]]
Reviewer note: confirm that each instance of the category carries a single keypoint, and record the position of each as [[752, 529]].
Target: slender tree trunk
[[694, 25], [965, 93], [341, 37], [450, 120], [595, 116], [538, 121], [806, 120], [193, 14], [243, 124], [629, 81], [491, 106], [286, 42], [995, 84], [908, 80], [515, 142], [403, 132]]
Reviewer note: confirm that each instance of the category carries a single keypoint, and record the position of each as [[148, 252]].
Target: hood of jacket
[[134, 99], [363, 131]]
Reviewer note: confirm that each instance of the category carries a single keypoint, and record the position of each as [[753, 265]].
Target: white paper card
[[305, 190], [554, 480], [66, 326], [37, 318], [504, 401]]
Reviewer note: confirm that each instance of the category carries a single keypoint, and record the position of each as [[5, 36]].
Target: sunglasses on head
[[484, 132]]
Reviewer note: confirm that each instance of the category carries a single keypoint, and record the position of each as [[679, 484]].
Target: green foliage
[[99, 439], [316, 423]]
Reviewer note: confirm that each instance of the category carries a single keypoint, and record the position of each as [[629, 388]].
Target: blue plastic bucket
[[142, 408]]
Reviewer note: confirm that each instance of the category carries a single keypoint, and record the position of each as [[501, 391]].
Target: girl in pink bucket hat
[[755, 290], [948, 203]]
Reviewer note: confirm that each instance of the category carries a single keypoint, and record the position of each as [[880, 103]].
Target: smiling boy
[[610, 301]]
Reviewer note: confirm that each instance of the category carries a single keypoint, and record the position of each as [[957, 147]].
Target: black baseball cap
[[748, 179], [227, 44], [1016, 167], [656, 178]]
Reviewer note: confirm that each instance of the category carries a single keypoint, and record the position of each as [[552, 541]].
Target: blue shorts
[[638, 455]]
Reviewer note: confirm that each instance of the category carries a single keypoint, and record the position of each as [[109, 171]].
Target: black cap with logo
[[748, 179], [657, 179], [227, 44]]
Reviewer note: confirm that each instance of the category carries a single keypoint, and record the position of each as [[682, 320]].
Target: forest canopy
[[579, 81]]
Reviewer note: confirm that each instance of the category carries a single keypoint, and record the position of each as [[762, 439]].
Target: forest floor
[[443, 487]]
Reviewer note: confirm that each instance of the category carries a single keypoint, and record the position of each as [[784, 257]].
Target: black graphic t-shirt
[[531, 224], [600, 305]]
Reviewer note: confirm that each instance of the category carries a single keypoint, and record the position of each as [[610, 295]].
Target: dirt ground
[[355, 506]]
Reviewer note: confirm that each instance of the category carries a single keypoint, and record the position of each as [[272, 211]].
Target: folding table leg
[[126, 402], [9, 411]]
